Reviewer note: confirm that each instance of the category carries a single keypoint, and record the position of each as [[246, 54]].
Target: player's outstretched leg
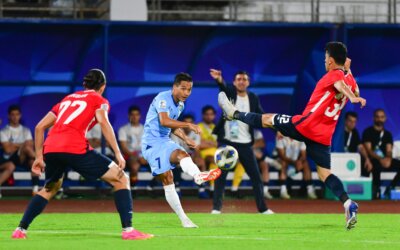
[[253, 119], [123, 201], [336, 186], [172, 198], [189, 167], [36, 207]]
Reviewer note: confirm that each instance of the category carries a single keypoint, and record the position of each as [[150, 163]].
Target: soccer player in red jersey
[[315, 126], [66, 146]]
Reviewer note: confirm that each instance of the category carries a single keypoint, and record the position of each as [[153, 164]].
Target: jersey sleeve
[[389, 137], [366, 137], [335, 75], [161, 104], [122, 136], [302, 146], [55, 109], [101, 103]]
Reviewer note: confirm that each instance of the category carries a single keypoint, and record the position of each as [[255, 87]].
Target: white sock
[[234, 189], [347, 203], [127, 229], [283, 188], [189, 167], [173, 201], [266, 189]]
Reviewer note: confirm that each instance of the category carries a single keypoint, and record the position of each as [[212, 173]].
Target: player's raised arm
[[217, 76], [108, 132], [165, 121], [46, 122], [345, 90]]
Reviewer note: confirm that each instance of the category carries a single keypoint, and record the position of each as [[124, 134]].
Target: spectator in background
[[353, 142], [130, 140], [194, 153], [258, 148], [240, 136], [379, 144], [94, 137], [293, 153], [17, 143], [6, 170], [208, 144]]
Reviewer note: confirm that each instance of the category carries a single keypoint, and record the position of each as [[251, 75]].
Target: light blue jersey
[[157, 145], [163, 102]]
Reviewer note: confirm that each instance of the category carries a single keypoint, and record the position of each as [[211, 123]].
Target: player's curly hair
[[94, 79]]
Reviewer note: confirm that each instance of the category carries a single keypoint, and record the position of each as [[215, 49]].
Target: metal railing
[[339, 11], [70, 9]]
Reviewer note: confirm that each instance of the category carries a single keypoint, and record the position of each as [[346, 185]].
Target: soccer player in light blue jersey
[[162, 153]]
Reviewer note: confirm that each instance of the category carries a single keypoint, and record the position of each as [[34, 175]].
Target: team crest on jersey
[[163, 104]]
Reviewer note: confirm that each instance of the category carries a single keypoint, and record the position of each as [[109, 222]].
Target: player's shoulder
[[336, 74], [164, 94]]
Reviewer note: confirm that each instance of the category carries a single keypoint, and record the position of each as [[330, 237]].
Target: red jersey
[[321, 114], [75, 116]]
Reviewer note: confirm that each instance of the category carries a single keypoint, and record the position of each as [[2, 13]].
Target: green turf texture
[[225, 232]]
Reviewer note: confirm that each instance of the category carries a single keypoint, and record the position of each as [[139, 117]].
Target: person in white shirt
[[17, 143], [94, 137], [6, 170], [293, 153], [130, 140], [194, 153]]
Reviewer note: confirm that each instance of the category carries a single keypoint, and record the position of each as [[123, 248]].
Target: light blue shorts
[[158, 154]]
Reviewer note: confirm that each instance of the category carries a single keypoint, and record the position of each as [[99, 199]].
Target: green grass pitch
[[225, 232]]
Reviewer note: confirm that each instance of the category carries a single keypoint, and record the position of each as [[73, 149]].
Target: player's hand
[[194, 128], [347, 64], [360, 100], [190, 143], [216, 74], [120, 160], [368, 165], [38, 167]]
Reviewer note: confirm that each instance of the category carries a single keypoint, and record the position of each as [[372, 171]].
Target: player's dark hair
[[338, 51], [14, 107], [207, 108], [351, 114], [241, 72], [133, 108], [94, 79], [378, 110], [182, 77]]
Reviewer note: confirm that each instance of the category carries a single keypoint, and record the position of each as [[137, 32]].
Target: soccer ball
[[226, 157]]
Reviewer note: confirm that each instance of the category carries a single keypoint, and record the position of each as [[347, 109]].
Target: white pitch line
[[211, 237]]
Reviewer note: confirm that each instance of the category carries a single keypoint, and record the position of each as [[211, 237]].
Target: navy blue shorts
[[319, 153], [91, 165]]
